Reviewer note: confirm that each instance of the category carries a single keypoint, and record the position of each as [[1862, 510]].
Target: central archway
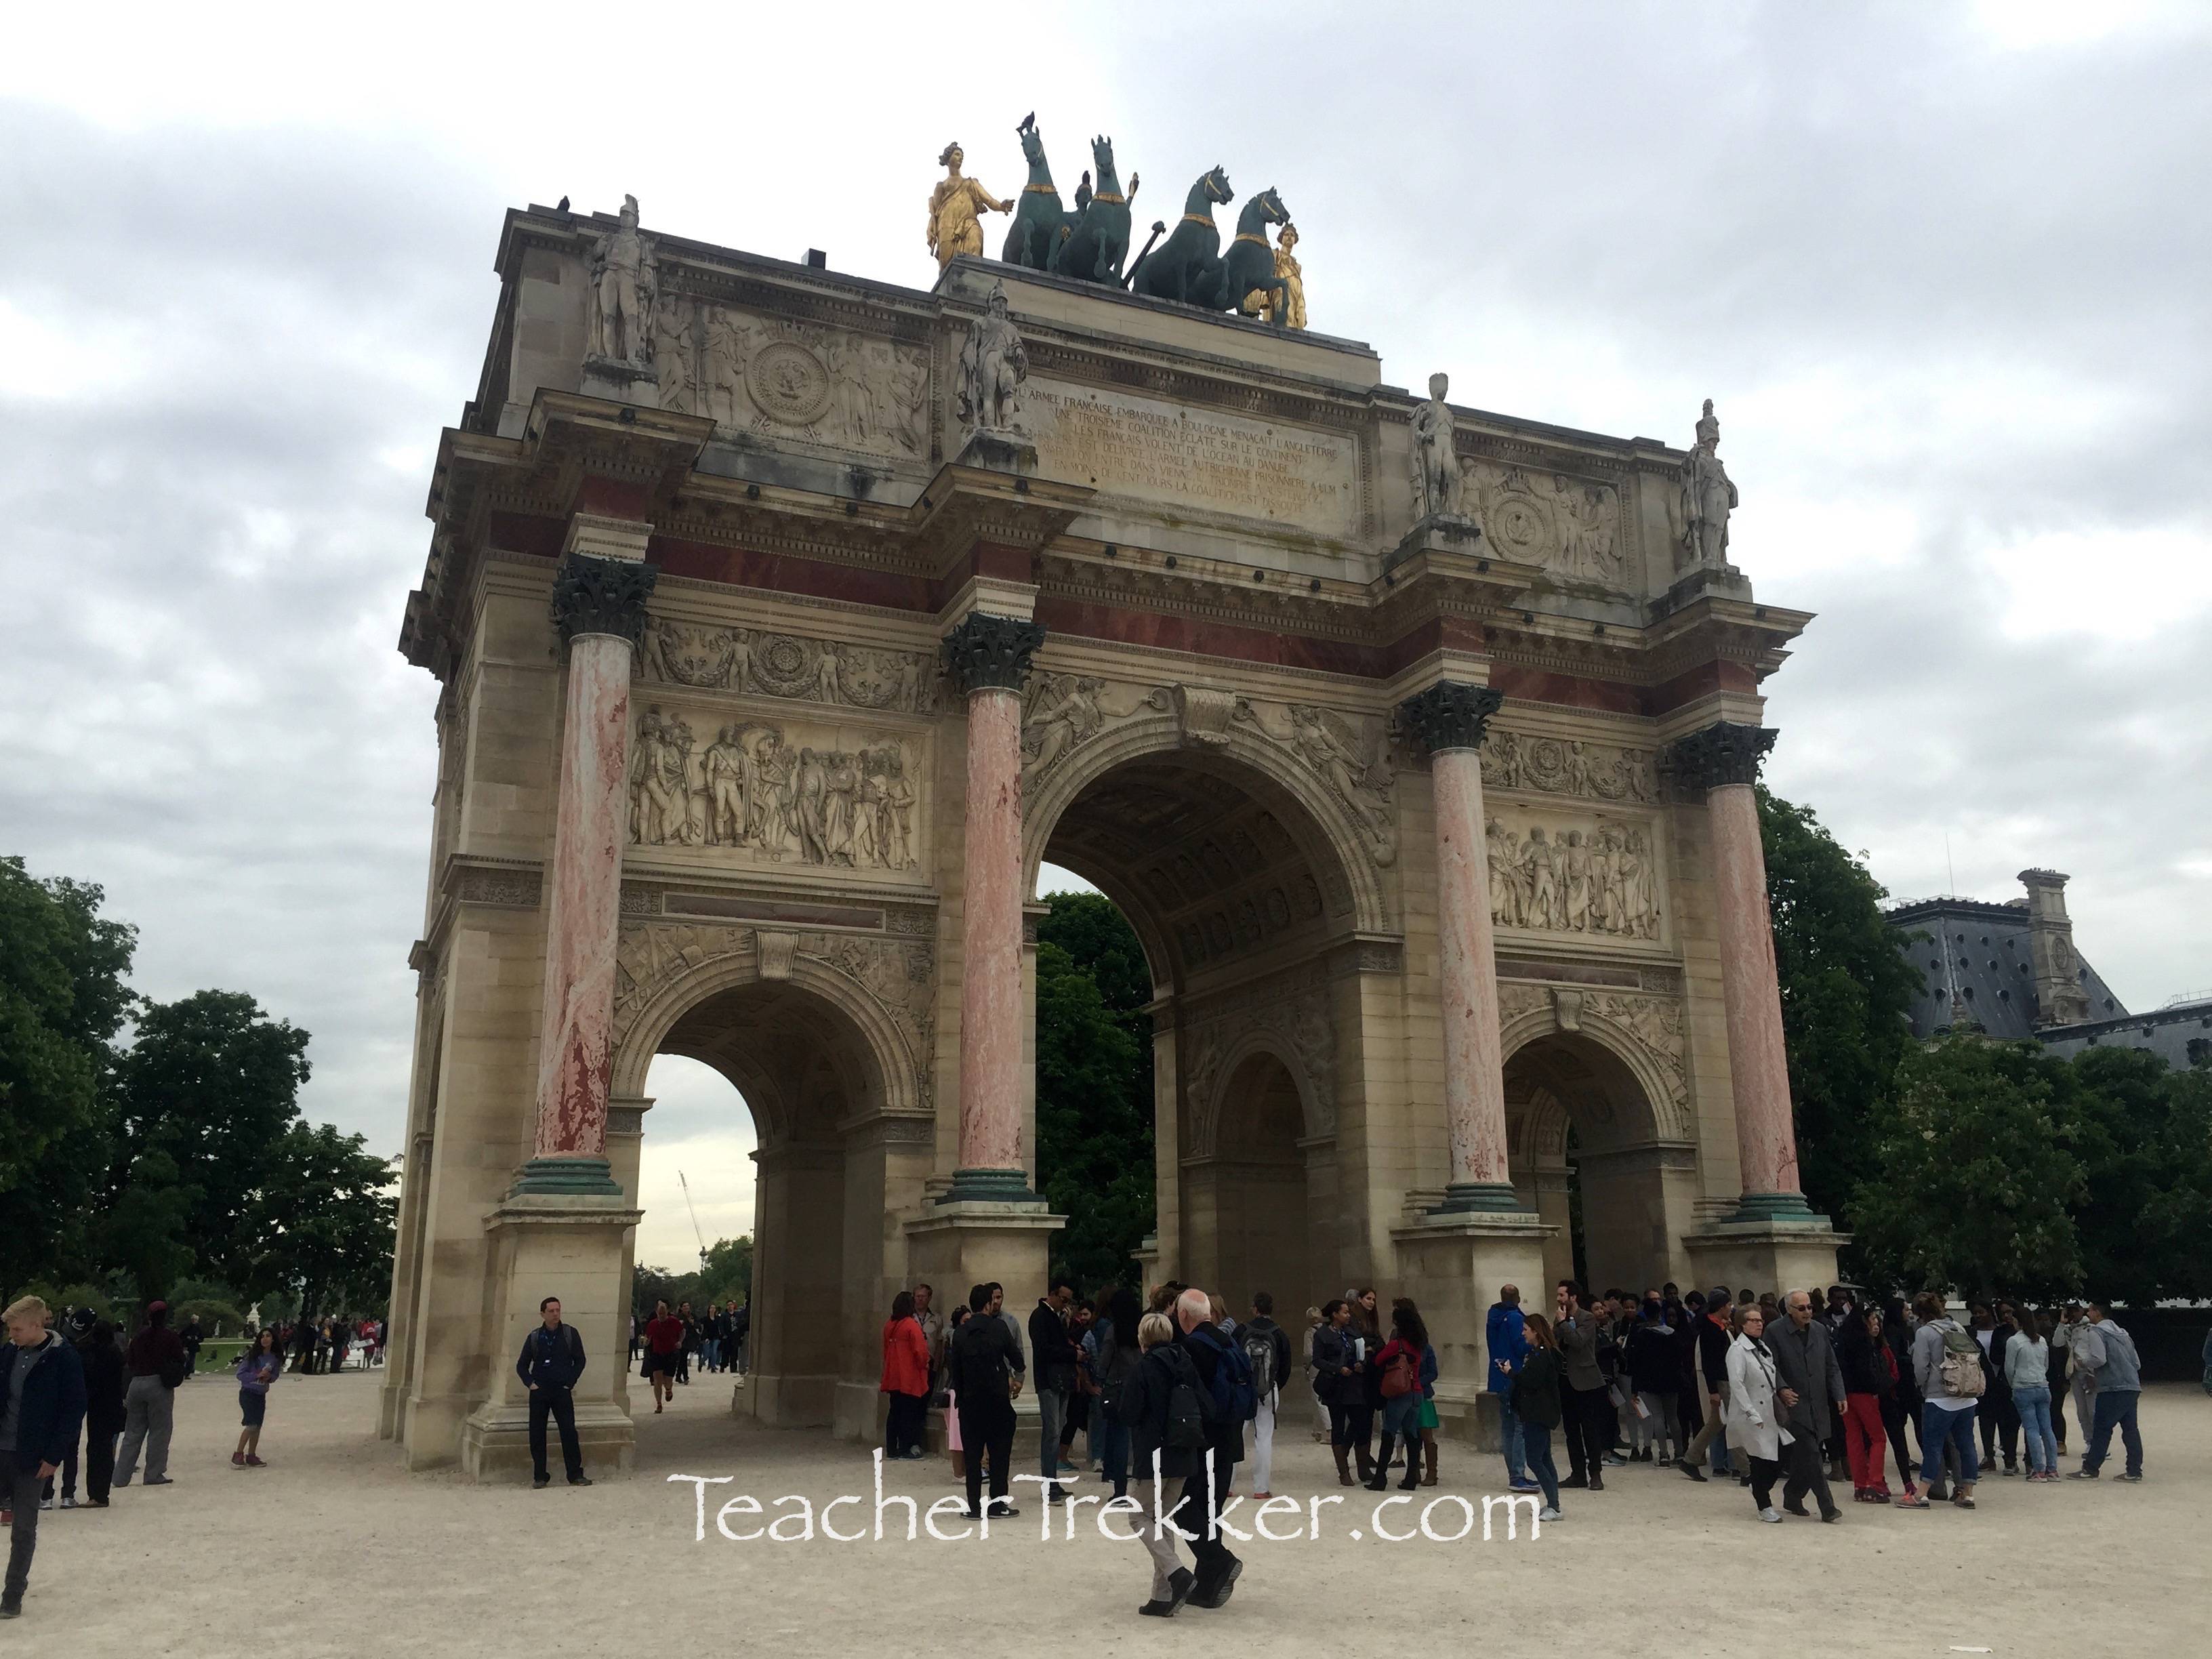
[[1242, 875]]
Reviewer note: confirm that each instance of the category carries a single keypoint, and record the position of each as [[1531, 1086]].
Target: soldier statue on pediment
[[1439, 478], [623, 291], [1708, 496]]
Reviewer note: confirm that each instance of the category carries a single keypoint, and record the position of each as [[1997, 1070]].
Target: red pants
[[1862, 1440]]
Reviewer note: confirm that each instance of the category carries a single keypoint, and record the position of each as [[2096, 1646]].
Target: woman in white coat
[[1753, 1422]]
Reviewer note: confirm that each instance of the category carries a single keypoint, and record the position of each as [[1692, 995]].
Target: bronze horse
[[1186, 266]]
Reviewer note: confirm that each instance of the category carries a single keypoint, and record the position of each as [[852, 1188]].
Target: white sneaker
[[1770, 1513], [1547, 1513], [69, 1503], [46, 1503]]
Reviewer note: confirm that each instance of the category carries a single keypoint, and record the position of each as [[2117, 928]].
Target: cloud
[[1939, 268]]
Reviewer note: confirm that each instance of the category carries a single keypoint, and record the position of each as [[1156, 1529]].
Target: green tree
[[2144, 1136], [321, 1223], [1094, 1078], [1971, 1185], [212, 1083], [1845, 988], [728, 1276], [145, 1225], [62, 1002]]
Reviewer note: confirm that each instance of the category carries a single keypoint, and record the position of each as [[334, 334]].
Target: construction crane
[[694, 1208]]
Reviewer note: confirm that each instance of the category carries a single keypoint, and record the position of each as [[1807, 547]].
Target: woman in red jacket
[[906, 1379]]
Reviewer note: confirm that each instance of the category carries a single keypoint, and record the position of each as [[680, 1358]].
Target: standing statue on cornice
[[1708, 495], [954, 228], [621, 328], [993, 363], [1439, 484]]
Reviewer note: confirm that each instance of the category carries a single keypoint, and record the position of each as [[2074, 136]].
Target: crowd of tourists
[[81, 1397], [664, 1347]]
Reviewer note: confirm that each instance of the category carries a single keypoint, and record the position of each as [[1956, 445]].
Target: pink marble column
[[1451, 720], [599, 607], [989, 657], [1725, 759]]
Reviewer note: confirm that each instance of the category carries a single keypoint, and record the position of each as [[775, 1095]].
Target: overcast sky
[[1943, 268]]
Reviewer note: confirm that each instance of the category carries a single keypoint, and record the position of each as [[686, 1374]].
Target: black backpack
[[1187, 1427]]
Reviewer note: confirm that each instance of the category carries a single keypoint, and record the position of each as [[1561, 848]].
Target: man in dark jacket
[[41, 1405], [100, 1353], [1715, 1332], [1505, 1341], [551, 1361], [2000, 1418], [1585, 1409], [1055, 1355], [1208, 1486], [1809, 1394], [155, 1362], [984, 1369]]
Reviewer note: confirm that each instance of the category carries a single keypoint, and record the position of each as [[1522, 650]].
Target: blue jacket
[[551, 1361], [53, 1404], [1507, 1338]]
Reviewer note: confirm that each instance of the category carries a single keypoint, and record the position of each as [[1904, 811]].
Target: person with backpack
[[1399, 1367], [1537, 1408], [155, 1362], [1267, 1351], [1164, 1406], [551, 1361], [1231, 1404], [1947, 1363], [2109, 1353]]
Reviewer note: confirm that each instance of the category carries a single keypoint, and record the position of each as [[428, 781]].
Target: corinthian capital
[[1721, 753], [602, 596], [1450, 715], [987, 652]]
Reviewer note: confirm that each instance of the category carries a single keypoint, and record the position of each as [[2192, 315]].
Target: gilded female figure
[[953, 227], [1294, 284]]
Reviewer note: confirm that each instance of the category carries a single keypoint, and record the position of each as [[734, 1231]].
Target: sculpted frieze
[[1591, 875], [772, 792], [1062, 712], [1559, 766], [777, 664], [1350, 756], [1568, 526], [780, 378]]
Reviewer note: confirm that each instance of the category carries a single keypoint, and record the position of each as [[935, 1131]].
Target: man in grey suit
[[1810, 1391]]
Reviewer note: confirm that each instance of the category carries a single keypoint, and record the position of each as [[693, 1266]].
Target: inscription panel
[[1148, 450]]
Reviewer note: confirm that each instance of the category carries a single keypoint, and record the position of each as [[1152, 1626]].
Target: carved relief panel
[[1563, 766], [1571, 526], [785, 379], [773, 665], [734, 784], [1588, 874]]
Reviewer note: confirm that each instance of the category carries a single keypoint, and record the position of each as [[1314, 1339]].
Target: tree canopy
[[1094, 1086]]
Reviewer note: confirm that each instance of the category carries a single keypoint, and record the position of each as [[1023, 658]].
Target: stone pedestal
[[620, 382], [998, 452], [1775, 1255], [574, 1246], [1452, 1265]]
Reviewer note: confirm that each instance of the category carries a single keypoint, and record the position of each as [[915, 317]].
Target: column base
[[1779, 1256], [565, 1175], [570, 1245], [1785, 1209], [961, 1243], [1480, 1198], [991, 1187], [1452, 1263]]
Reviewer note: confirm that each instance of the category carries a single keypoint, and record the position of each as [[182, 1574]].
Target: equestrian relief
[[1091, 243]]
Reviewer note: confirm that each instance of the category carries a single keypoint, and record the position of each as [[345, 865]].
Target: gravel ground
[[334, 1549]]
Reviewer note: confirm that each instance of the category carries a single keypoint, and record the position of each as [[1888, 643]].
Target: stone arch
[[894, 1078], [1335, 841], [1317, 1115], [1662, 1098]]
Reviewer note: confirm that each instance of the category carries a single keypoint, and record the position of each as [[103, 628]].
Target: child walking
[[258, 1370]]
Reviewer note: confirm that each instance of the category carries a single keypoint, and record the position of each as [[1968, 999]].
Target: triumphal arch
[[786, 620]]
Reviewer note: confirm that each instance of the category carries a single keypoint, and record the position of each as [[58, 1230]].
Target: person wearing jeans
[[1054, 1353], [2027, 1372], [1505, 1341], [2112, 1360], [550, 1365], [1946, 1420], [1536, 1406]]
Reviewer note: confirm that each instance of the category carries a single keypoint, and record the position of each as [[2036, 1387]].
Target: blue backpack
[[1235, 1398]]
